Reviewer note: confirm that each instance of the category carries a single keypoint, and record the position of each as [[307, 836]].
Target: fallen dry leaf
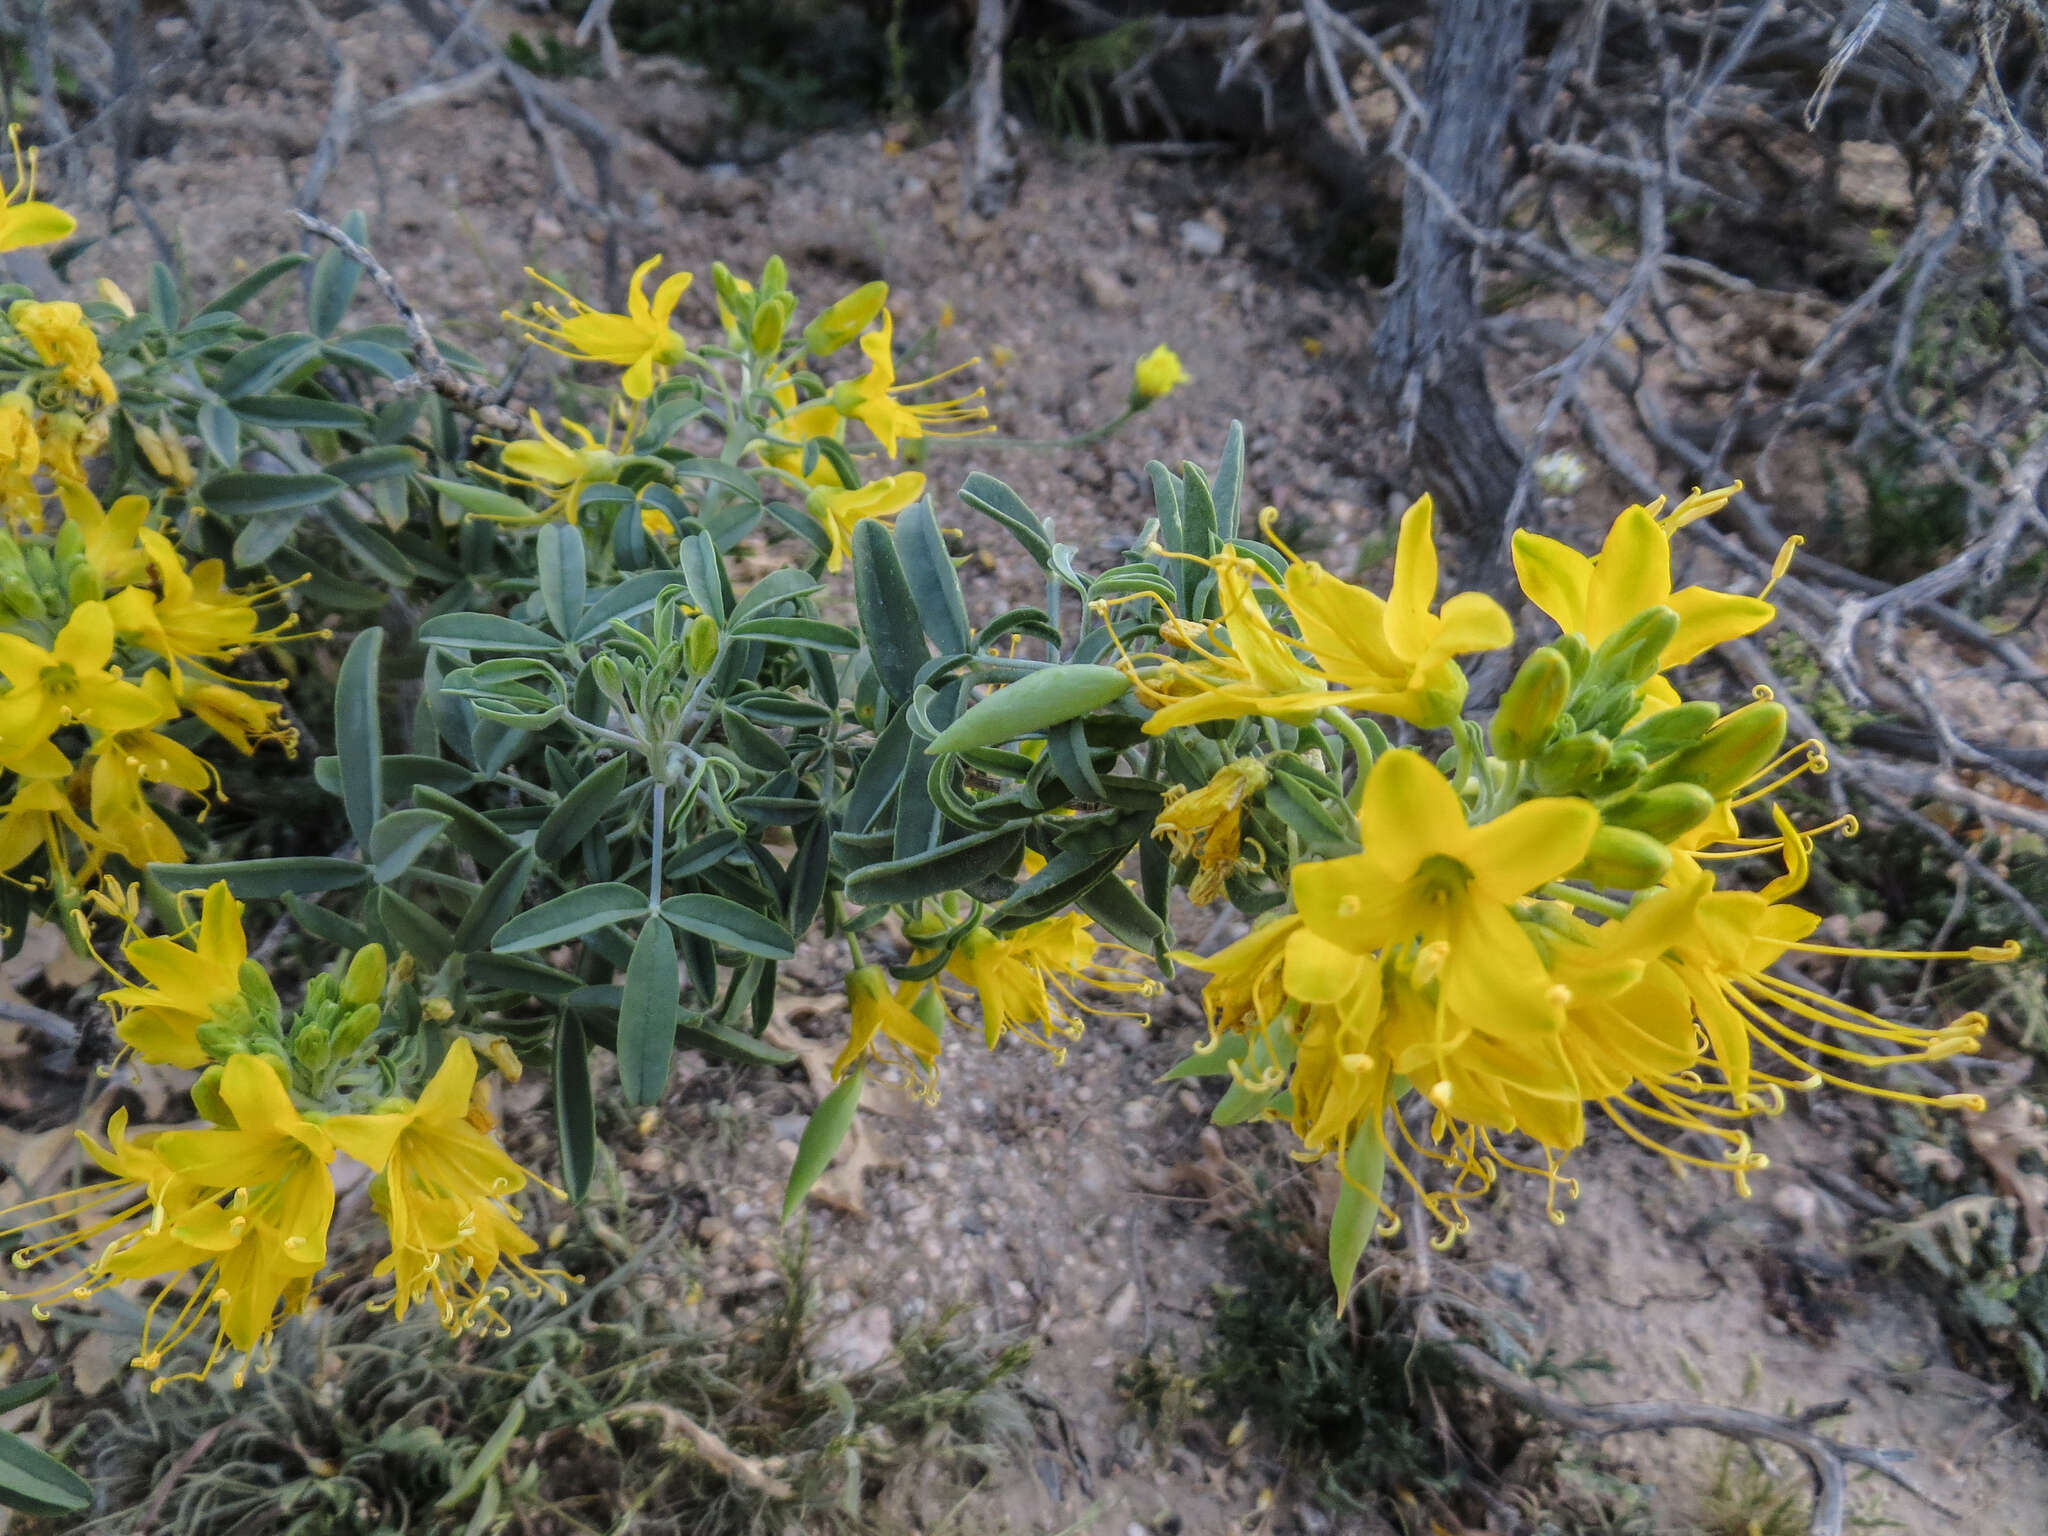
[[2000, 1135]]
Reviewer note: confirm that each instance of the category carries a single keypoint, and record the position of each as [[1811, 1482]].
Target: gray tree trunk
[[1428, 360]]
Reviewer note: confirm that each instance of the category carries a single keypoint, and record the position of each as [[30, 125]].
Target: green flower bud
[[364, 982], [1665, 813], [258, 992], [1732, 753], [207, 1101], [220, 1041], [1632, 651], [930, 1009], [766, 334], [1576, 653], [1618, 777], [1529, 709], [312, 1045], [1663, 733], [82, 585], [729, 291], [354, 1030], [1565, 764], [840, 322], [22, 599], [280, 1068], [70, 543], [700, 644], [774, 278], [1623, 859]]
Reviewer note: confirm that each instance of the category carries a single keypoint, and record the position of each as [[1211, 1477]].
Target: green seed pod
[[1565, 764], [258, 992], [840, 322], [1529, 709], [313, 1046], [1666, 812], [1732, 753], [1663, 733], [1630, 654], [207, 1100], [364, 982], [700, 644], [1623, 859], [1049, 696], [350, 1034]]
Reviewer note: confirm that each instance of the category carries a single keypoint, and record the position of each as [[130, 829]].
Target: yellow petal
[[1555, 577], [1470, 621], [1633, 573], [1410, 812], [1344, 627], [1410, 626], [1707, 618], [1345, 901], [1318, 971], [1537, 841]]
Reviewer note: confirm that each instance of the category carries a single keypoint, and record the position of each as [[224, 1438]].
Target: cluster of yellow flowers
[[1533, 932], [780, 414], [228, 1223], [106, 636]]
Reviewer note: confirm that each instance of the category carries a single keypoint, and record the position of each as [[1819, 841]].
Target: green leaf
[[933, 581], [561, 558], [487, 1459], [737, 480], [1036, 700], [703, 574], [580, 810], [259, 369], [235, 295], [569, 916], [728, 923], [301, 411], [510, 973], [647, 1015], [1123, 915], [888, 613], [575, 1112], [1198, 513], [36, 1483], [1358, 1208], [987, 494], [951, 867], [28, 1391], [630, 598], [487, 632], [398, 839], [333, 286], [239, 494], [495, 903], [822, 1137], [385, 462], [1212, 1061], [482, 500], [265, 879], [1228, 492], [818, 635], [359, 732], [415, 930], [221, 433], [716, 1039]]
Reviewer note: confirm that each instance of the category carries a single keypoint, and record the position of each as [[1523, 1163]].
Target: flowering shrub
[[596, 785]]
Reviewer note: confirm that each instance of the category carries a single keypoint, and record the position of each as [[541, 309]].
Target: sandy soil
[[1032, 1196]]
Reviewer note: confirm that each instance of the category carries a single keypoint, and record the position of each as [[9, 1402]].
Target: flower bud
[[1631, 653], [1665, 813], [1623, 859], [313, 1046], [700, 644], [1663, 733], [1576, 653], [219, 1040], [1564, 764], [845, 319], [353, 1030], [1155, 376], [82, 585], [207, 1100], [1530, 707], [364, 982], [1733, 752], [258, 992], [769, 319]]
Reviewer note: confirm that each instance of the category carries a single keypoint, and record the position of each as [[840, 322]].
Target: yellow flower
[[1157, 374], [139, 1182], [639, 341], [61, 338], [1427, 875], [795, 428], [1595, 596], [38, 816], [70, 682], [560, 469], [442, 1189], [183, 984], [243, 722], [23, 220], [69, 439], [840, 511], [1027, 978], [656, 522], [195, 617], [124, 816], [1246, 987], [112, 534], [871, 400], [21, 454], [1207, 825], [885, 1028], [1392, 656]]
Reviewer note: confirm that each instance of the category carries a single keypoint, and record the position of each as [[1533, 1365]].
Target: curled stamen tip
[[1762, 691], [1974, 1102], [1994, 954]]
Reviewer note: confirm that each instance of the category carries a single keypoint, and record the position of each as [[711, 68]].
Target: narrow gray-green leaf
[[560, 550], [399, 838], [359, 733], [575, 1112], [728, 923], [647, 1015], [569, 916], [580, 810]]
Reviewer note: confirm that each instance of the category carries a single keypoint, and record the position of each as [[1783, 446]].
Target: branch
[[433, 371], [754, 1473]]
